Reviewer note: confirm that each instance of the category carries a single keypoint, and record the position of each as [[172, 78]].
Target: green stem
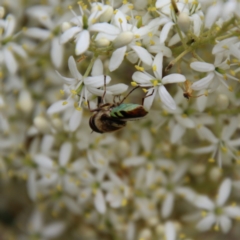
[[169, 66], [90, 66]]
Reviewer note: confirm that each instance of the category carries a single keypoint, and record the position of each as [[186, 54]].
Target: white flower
[[215, 212], [124, 36], [62, 175], [36, 227], [43, 14], [8, 47], [222, 146], [80, 32], [156, 83], [172, 186], [216, 74], [79, 88]]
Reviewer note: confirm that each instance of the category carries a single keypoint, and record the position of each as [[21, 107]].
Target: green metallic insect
[[109, 117]]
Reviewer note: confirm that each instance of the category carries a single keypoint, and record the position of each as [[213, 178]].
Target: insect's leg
[[128, 94], [104, 93], [88, 106], [147, 96]]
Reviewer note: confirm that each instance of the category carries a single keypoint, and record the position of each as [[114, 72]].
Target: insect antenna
[[147, 96]]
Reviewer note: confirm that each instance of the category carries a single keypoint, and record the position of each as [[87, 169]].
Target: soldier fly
[[188, 90], [109, 117]]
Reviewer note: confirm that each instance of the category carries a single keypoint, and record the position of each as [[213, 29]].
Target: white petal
[[99, 202], [69, 34], [202, 66], [65, 79], [117, 58], [162, 3], [148, 100], [36, 221], [203, 83], [58, 107], [10, 23], [197, 24], [31, 185], [134, 161], [73, 68], [97, 68], [234, 50], [234, 143], [166, 98], [105, 28], [120, 24], [201, 102], [173, 78], [97, 81], [176, 133], [219, 47], [47, 143], [203, 150], [158, 64], [225, 223], [65, 153], [53, 230], [185, 121], [72, 205], [207, 134], [143, 54], [117, 89], [213, 12], [10, 61], [206, 223], [142, 78], [224, 192], [56, 53], [43, 161], [18, 50], [167, 205], [75, 120], [187, 193], [170, 231], [83, 42], [232, 211], [230, 129], [37, 33], [204, 202], [165, 30]]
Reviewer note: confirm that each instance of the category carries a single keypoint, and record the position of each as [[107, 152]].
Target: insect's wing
[[128, 112]]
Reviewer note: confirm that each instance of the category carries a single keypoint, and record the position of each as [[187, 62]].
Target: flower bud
[[107, 15], [123, 39], [41, 124], [57, 124], [146, 234], [102, 42], [122, 149], [65, 26], [198, 169], [25, 101], [183, 21], [222, 101], [215, 174]]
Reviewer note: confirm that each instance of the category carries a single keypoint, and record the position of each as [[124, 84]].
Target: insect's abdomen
[[102, 122], [128, 111]]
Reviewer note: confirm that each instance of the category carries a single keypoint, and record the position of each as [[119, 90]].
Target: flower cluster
[[119, 119]]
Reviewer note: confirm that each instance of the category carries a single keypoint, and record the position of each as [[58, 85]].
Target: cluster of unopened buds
[[175, 67]]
